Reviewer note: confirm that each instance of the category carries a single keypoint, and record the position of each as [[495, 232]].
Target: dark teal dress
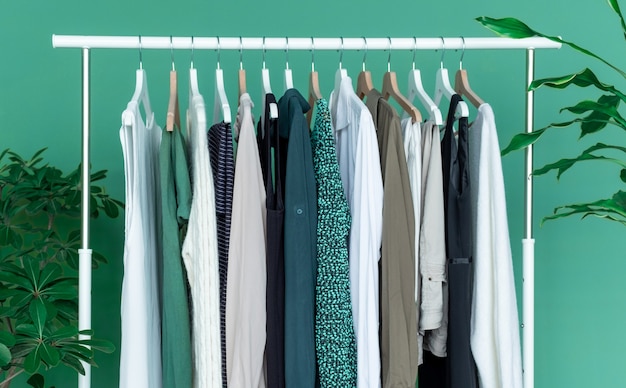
[[335, 342]]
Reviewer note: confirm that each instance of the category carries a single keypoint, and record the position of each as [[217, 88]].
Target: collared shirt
[[398, 310], [495, 337], [359, 164]]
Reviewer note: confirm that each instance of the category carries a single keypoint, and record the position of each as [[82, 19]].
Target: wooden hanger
[[314, 85], [390, 89], [173, 112], [242, 73], [461, 83], [364, 82]]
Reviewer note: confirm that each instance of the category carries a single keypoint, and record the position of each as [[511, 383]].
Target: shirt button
[[299, 211]]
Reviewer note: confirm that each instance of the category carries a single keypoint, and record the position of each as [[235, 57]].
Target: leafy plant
[[592, 116], [39, 213]]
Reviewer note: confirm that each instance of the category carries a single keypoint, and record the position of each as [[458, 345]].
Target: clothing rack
[[86, 43]]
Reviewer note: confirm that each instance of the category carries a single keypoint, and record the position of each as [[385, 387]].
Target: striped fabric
[[222, 164]]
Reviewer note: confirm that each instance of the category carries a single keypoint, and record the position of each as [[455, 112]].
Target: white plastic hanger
[[443, 87], [416, 89], [288, 76], [314, 85], [194, 90], [267, 89], [140, 96], [364, 81], [196, 114], [221, 101]]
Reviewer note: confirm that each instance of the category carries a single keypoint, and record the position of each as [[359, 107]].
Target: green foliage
[[39, 239], [592, 116]]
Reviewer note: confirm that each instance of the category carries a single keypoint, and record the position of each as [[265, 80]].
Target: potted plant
[[591, 115], [39, 238]]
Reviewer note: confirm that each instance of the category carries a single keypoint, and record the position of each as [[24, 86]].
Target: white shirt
[[494, 336], [433, 309], [359, 164], [140, 353], [412, 136], [247, 272], [200, 256]]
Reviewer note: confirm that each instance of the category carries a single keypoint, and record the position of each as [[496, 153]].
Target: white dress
[[200, 256], [140, 353]]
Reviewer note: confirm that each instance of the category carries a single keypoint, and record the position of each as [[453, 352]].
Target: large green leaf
[[596, 106], [49, 273], [50, 354], [7, 338], [19, 281], [597, 120], [61, 291], [32, 361], [514, 28], [73, 362], [622, 175], [99, 344], [565, 164], [613, 209], [615, 6], [5, 355], [31, 268], [582, 79], [63, 333], [38, 314], [27, 330]]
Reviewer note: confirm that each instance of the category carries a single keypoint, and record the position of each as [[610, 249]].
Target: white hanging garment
[[200, 254], [359, 165], [495, 339], [140, 353], [247, 271]]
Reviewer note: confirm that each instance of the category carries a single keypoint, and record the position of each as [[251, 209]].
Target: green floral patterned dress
[[335, 342]]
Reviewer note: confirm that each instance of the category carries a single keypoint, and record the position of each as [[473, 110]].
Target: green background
[[580, 267]]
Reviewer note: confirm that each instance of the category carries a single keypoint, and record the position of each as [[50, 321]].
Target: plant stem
[[13, 373]]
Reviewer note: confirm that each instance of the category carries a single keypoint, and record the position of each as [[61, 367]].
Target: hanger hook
[[312, 55], [287, 52], [414, 50], [192, 51], [389, 55], [140, 55], [365, 53], [443, 50], [218, 52], [462, 54], [240, 53], [263, 52], [172, 52], [341, 53]]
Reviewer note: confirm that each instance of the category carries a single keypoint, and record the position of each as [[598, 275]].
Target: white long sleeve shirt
[[494, 337], [359, 164]]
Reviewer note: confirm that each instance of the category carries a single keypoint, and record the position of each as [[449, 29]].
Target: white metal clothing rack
[[86, 43]]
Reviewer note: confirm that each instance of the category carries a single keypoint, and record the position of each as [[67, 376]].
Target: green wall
[[580, 293]]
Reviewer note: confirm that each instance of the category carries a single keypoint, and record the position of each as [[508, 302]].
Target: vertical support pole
[[528, 243], [84, 254]]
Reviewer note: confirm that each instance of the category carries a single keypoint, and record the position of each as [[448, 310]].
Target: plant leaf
[[27, 330], [64, 332], [613, 209], [514, 28], [32, 361], [597, 106], [50, 355], [622, 175], [99, 344], [38, 314], [582, 79], [31, 268], [7, 338], [615, 6], [36, 381], [73, 362], [565, 164], [49, 273], [5, 355]]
